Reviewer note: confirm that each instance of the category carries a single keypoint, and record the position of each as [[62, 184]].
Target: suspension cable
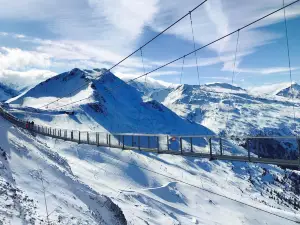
[[289, 59], [182, 70], [140, 108], [191, 20], [233, 75], [204, 46], [144, 68], [234, 64]]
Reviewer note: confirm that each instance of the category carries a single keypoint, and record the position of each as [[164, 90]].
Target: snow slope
[[149, 188], [30, 170]]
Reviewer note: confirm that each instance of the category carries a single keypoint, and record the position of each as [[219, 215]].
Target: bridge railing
[[264, 149]]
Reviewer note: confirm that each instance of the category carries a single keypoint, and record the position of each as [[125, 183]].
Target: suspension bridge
[[203, 146]]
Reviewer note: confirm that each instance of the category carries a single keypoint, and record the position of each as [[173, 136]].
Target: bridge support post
[[157, 138], [50, 131], [180, 140], [109, 140], [210, 149], [248, 149], [97, 138], [119, 139], [221, 146], [123, 142], [88, 137], [191, 140], [79, 137], [132, 141], [72, 136], [298, 143], [139, 142], [168, 142]]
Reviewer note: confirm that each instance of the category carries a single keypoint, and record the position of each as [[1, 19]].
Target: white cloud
[[15, 58], [22, 79], [113, 25], [266, 71]]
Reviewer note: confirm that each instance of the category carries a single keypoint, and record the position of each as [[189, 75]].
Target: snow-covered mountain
[[292, 91], [6, 92], [224, 87], [150, 188], [233, 111], [149, 85], [108, 100]]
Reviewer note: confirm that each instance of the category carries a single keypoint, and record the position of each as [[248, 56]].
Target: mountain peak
[[225, 86], [292, 90]]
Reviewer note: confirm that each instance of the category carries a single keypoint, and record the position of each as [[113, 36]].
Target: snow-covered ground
[[35, 182], [151, 188]]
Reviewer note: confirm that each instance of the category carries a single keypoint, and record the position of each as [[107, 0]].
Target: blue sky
[[42, 38]]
